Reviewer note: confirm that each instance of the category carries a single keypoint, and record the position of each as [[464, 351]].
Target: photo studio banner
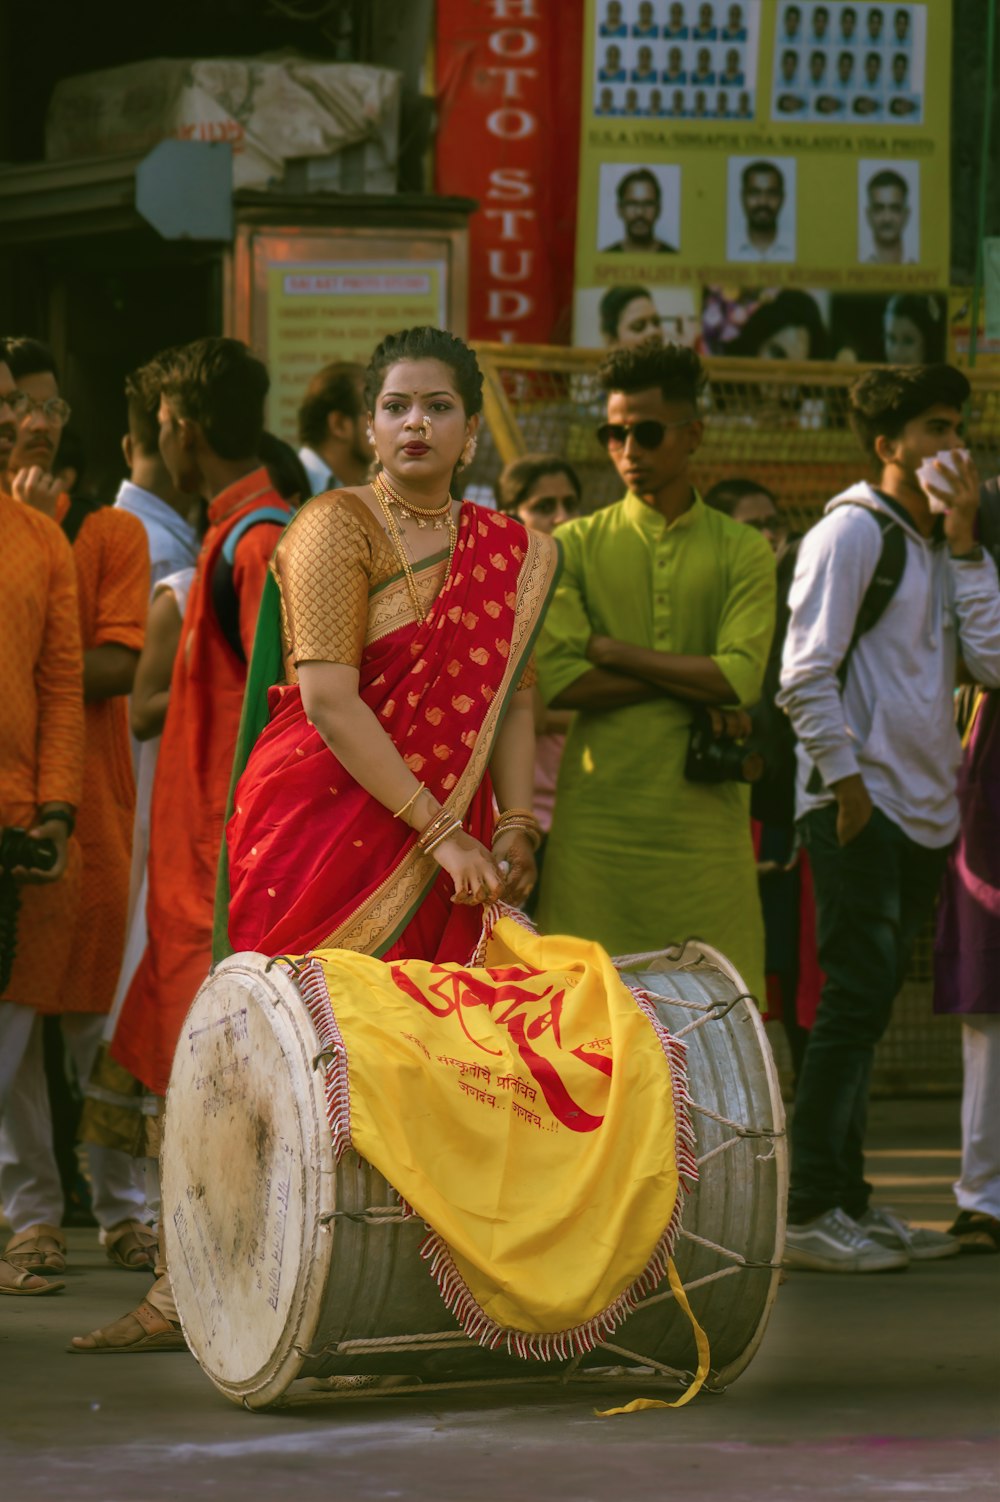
[[789, 161], [508, 89]]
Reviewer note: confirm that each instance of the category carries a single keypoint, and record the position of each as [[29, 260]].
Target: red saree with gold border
[[315, 862]]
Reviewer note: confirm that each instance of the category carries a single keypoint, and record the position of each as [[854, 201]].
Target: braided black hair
[[427, 344]]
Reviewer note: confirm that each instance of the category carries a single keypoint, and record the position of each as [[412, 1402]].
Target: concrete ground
[[884, 1387]]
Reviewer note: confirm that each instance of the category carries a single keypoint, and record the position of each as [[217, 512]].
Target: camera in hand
[[19, 848], [719, 758]]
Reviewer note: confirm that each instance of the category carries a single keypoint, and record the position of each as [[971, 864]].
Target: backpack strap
[[875, 600], [884, 583], [222, 588]]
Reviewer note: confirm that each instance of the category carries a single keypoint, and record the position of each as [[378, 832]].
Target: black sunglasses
[[648, 434]]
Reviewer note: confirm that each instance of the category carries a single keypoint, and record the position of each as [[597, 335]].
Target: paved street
[[874, 1387]]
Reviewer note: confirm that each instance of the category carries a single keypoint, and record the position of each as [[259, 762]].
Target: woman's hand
[[471, 867], [516, 850]]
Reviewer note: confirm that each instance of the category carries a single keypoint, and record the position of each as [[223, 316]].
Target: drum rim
[[678, 957], [305, 1307]]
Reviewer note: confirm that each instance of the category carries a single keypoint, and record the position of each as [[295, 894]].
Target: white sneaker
[[890, 1230], [834, 1243]]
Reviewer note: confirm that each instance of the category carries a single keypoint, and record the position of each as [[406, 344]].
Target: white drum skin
[[286, 1265]]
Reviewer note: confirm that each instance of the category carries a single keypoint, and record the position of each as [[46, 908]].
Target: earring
[[370, 435], [469, 452]]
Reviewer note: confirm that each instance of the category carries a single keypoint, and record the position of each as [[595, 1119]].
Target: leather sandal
[[22, 1284], [38, 1249], [156, 1333], [131, 1245]]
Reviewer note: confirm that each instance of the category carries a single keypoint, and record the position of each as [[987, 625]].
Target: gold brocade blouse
[[342, 585]]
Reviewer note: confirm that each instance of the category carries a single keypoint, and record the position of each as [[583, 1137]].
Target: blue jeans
[[872, 897]]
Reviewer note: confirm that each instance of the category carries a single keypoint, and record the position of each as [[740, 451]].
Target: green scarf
[[265, 670]]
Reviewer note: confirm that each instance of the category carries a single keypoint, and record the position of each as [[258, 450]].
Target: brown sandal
[[131, 1245], [22, 1284], [158, 1334], [38, 1249]]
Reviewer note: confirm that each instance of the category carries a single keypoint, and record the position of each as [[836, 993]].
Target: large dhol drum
[[286, 1264]]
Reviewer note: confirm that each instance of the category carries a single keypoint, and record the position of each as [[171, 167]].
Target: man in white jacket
[[878, 760]]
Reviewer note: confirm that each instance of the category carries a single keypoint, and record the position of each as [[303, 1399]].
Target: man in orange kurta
[[41, 760], [112, 570], [211, 420]]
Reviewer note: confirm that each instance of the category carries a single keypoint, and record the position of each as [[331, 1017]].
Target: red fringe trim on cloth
[[458, 1299]]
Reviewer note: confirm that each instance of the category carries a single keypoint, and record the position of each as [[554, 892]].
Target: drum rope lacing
[[379, 1215]]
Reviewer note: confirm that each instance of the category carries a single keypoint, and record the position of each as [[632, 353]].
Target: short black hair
[[638, 175], [613, 304], [520, 476], [673, 368], [761, 166], [885, 400], [288, 473], [28, 357], [727, 494], [425, 343], [142, 398], [887, 178], [335, 388], [221, 385]]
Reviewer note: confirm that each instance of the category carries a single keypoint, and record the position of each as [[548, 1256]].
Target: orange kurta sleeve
[[59, 685], [250, 565], [123, 592]]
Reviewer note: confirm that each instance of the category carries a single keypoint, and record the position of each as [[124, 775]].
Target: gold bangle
[[410, 802], [446, 835], [443, 819], [515, 813]]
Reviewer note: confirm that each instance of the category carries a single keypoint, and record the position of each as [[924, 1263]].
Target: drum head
[[247, 1179]]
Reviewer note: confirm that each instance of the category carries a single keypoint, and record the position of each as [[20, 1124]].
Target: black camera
[[18, 848], [719, 758]]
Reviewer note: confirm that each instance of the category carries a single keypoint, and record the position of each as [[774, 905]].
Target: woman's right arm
[[367, 753]]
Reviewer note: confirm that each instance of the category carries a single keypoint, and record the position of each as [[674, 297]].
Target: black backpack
[[772, 799], [223, 591]]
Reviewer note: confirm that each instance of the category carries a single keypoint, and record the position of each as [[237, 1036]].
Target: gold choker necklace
[[437, 516]]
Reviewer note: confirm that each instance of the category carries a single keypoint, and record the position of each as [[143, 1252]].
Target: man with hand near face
[[111, 560], [41, 770], [878, 756], [664, 608]]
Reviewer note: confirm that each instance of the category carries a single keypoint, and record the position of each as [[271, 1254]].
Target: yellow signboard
[[762, 145], [326, 311]]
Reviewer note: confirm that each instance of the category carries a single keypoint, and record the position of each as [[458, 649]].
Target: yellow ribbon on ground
[[525, 1111], [637, 1405]]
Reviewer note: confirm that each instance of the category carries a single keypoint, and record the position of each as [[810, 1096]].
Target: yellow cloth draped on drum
[[525, 1111]]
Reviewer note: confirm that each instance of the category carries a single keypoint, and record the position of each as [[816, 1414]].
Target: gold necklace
[[400, 546], [438, 516]]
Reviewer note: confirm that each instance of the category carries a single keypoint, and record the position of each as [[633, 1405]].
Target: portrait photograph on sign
[[640, 209], [888, 213], [761, 208], [849, 64], [687, 60]]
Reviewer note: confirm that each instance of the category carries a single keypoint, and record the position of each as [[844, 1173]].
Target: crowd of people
[[281, 702]]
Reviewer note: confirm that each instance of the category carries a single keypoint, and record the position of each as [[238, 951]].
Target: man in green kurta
[[663, 605]]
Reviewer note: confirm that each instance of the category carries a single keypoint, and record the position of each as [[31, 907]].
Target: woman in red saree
[[403, 706]]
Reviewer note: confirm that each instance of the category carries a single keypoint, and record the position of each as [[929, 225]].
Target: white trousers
[[979, 1186], [30, 1186]]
